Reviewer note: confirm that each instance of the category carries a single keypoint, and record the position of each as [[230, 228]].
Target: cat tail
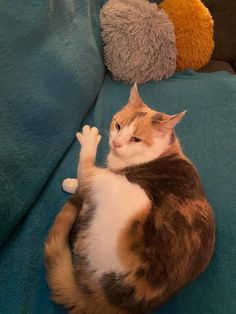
[[58, 260]]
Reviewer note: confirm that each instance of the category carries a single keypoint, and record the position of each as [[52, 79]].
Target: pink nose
[[116, 143]]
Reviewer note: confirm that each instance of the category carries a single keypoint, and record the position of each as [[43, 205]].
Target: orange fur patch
[[132, 261]]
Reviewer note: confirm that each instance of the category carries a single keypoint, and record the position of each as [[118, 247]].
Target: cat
[[136, 232]]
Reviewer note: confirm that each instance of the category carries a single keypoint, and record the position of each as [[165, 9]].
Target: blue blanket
[[51, 72]]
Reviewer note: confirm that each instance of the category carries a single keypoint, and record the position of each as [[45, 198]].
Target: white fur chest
[[117, 201]]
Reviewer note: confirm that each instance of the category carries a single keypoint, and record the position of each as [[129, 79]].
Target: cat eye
[[135, 139], [117, 126]]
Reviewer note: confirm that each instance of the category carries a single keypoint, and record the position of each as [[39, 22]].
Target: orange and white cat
[[136, 232]]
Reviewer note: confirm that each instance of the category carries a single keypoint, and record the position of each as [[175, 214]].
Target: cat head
[[139, 134]]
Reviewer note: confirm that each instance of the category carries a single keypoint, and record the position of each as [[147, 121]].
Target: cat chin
[[116, 162]]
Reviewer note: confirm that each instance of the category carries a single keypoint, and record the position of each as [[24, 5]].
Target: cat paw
[[70, 185], [89, 135], [89, 139]]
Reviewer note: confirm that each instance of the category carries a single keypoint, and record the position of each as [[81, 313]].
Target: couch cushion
[[51, 72], [23, 287], [217, 65], [224, 13], [207, 137], [206, 134]]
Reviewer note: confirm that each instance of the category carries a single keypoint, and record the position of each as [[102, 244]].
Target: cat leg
[[89, 140], [70, 185]]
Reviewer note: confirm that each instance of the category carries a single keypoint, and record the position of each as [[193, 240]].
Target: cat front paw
[[89, 135], [89, 139]]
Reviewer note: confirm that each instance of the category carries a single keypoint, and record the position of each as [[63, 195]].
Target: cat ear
[[173, 120], [168, 121], [134, 99]]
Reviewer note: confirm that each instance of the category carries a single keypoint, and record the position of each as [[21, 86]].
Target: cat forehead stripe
[[136, 115]]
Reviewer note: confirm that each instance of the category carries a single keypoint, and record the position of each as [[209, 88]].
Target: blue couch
[[52, 81]]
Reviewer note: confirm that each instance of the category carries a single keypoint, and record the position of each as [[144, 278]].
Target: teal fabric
[[51, 72], [23, 289], [207, 135]]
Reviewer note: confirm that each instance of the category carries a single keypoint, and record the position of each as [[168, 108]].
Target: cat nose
[[116, 143]]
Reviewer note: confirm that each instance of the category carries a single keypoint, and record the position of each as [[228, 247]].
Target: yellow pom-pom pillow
[[193, 30]]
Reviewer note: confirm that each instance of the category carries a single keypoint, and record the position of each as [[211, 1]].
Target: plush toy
[[144, 41], [139, 41]]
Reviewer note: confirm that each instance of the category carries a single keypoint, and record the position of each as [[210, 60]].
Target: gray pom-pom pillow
[[139, 41]]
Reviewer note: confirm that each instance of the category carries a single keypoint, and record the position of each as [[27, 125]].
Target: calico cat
[[136, 232]]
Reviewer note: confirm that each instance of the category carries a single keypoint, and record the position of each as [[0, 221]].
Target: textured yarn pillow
[[139, 41], [193, 30]]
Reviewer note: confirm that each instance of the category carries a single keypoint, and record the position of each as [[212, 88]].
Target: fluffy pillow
[[139, 41], [193, 30]]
